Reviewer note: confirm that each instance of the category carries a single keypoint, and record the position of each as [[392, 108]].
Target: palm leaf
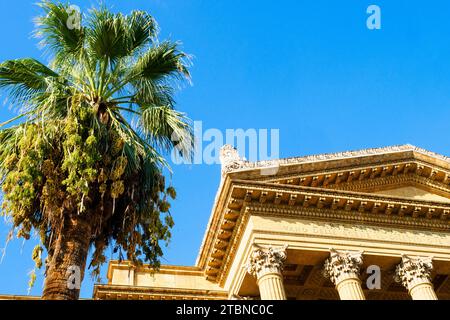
[[141, 29], [161, 61], [56, 34], [25, 78], [107, 35]]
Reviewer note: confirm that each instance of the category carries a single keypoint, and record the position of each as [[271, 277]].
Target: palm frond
[[107, 35], [136, 147], [148, 92], [161, 61], [141, 29], [24, 78], [57, 34], [167, 129]]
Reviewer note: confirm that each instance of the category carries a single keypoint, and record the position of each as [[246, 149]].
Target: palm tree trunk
[[68, 261]]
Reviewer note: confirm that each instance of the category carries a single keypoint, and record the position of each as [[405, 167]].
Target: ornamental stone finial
[[414, 270], [267, 260], [342, 265], [230, 159]]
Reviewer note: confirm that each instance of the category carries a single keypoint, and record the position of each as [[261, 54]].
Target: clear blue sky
[[309, 68]]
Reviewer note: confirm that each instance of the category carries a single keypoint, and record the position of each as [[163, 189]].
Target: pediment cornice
[[391, 182], [251, 197], [330, 187], [346, 177], [373, 162], [267, 193]]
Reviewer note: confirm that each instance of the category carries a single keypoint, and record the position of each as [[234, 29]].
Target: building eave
[[242, 174]]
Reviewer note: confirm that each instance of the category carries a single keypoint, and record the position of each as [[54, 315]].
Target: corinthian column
[[415, 274], [342, 267], [266, 264]]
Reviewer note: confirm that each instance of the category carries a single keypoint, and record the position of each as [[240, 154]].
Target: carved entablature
[[357, 187], [342, 265], [372, 178], [414, 270], [266, 260], [337, 200], [329, 205]]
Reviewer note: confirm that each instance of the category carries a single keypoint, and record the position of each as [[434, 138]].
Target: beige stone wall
[[381, 203], [175, 281], [166, 277]]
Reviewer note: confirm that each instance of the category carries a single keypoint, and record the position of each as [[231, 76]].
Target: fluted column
[[266, 264], [415, 274], [343, 267]]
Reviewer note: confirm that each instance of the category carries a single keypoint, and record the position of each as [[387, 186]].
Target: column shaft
[[266, 264], [423, 291], [350, 289], [271, 287]]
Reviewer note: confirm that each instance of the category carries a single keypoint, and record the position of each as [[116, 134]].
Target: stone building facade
[[369, 224]]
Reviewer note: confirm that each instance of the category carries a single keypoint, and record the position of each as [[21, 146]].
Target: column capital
[[342, 265], [266, 260], [414, 270]]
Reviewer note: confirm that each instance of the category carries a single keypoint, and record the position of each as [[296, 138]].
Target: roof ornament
[[230, 159]]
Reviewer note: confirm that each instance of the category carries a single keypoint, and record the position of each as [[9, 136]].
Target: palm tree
[[83, 165]]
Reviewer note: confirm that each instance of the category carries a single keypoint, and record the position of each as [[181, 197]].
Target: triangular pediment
[[401, 186], [330, 169], [411, 181], [404, 172]]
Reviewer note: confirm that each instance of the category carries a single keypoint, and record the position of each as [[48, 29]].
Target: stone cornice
[[242, 165], [120, 292], [307, 197], [222, 197], [380, 184], [163, 269], [223, 243], [344, 216], [362, 177], [228, 218], [318, 204]]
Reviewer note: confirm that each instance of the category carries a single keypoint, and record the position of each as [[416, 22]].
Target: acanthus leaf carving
[[342, 265], [414, 270], [266, 260]]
